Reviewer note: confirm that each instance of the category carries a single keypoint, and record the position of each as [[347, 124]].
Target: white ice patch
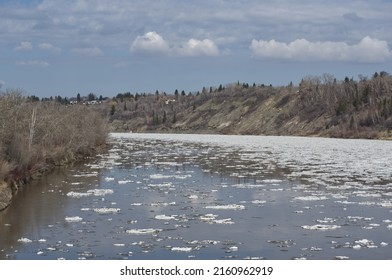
[[75, 219], [258, 201], [310, 198], [321, 227], [109, 179], [226, 207], [78, 194], [106, 210], [92, 174], [143, 231], [181, 249], [25, 240], [164, 217], [365, 243], [123, 182], [100, 192]]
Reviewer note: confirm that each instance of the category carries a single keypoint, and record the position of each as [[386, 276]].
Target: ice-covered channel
[[180, 196]]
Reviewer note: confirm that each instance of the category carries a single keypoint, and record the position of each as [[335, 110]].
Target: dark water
[[189, 197]]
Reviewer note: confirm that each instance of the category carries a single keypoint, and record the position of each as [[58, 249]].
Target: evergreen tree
[[113, 110]]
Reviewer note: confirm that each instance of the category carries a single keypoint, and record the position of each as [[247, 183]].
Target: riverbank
[[319, 106], [35, 137]]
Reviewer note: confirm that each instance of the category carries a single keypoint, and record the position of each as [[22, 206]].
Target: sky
[[65, 47]]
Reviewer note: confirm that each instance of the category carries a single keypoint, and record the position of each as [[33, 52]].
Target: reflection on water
[[209, 197]]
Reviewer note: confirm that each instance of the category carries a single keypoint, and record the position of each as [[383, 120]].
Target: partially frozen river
[[158, 196]]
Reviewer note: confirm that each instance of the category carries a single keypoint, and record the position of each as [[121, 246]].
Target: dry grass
[[35, 132]]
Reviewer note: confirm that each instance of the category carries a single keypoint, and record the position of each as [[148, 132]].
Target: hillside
[[319, 106]]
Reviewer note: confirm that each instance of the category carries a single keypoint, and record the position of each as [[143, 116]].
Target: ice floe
[[164, 217], [182, 249], [24, 240], [321, 227], [226, 207], [143, 231], [74, 219], [106, 210]]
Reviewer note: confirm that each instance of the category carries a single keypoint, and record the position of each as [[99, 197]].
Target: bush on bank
[[35, 136]]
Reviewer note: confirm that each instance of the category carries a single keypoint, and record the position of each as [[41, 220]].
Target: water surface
[[155, 196]]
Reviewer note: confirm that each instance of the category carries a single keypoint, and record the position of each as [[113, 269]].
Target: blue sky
[[65, 47]]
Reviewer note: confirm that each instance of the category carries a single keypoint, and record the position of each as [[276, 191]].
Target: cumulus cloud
[[24, 46], [195, 47], [152, 42], [49, 47], [367, 50], [2, 83], [37, 63], [95, 51]]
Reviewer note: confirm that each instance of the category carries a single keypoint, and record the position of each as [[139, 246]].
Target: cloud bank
[[152, 42], [368, 50]]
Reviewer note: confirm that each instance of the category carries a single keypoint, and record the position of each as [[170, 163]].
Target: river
[[181, 196]]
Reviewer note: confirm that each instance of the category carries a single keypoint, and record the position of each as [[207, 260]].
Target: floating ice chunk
[[25, 240], [386, 204], [208, 217], [326, 221], [389, 227], [73, 219], [193, 196], [143, 231], [109, 179], [40, 253], [226, 207], [258, 201], [227, 221], [182, 177], [78, 194], [123, 182], [321, 227], [310, 198], [92, 174], [164, 217], [365, 243], [271, 181], [119, 245], [160, 176], [341, 258], [357, 247], [100, 192], [136, 204], [384, 244], [233, 248], [181, 249], [106, 210], [163, 185]]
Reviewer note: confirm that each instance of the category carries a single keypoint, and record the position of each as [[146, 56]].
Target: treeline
[[319, 105], [38, 135]]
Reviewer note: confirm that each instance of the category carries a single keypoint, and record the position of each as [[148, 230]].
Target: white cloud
[[195, 47], [37, 63], [367, 50], [95, 51], [2, 83], [24, 46], [150, 42], [49, 47]]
